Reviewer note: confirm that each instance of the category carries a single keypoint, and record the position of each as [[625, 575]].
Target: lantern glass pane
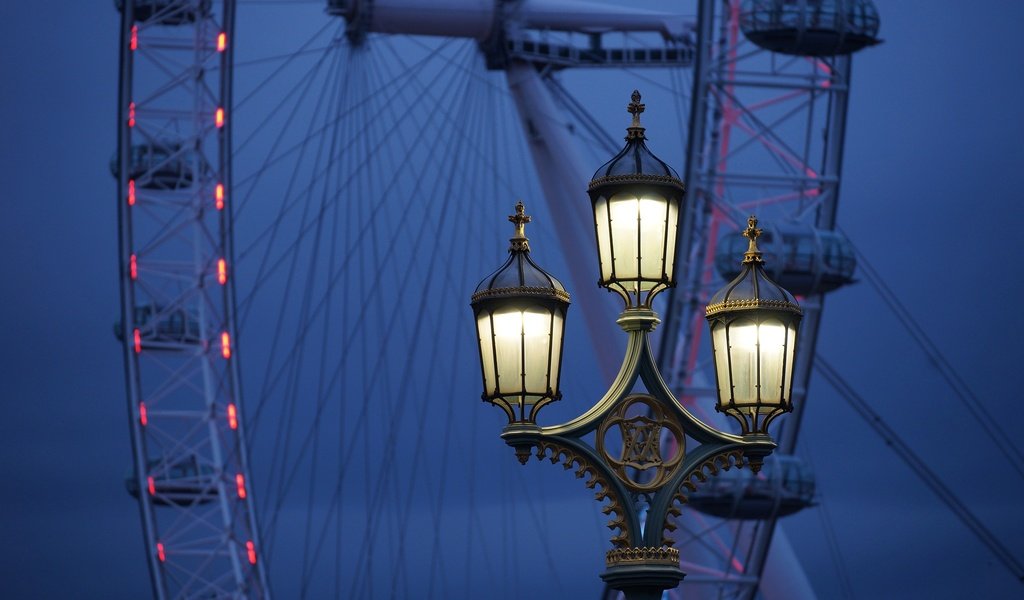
[[483, 329], [639, 227], [721, 362], [790, 358], [522, 340], [508, 350], [604, 243], [670, 251], [537, 344], [743, 355], [556, 349], [771, 336]]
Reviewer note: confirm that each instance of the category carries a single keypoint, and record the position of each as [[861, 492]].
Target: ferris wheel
[[301, 197]]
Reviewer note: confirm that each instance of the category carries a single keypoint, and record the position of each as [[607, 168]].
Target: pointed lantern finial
[[520, 243], [635, 107], [753, 253]]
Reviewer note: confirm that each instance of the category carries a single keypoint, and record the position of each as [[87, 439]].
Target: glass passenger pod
[[810, 27], [800, 258], [165, 165], [784, 486], [177, 481], [168, 12], [163, 327]]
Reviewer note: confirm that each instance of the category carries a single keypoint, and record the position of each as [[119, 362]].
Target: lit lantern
[[520, 320], [636, 199], [753, 323]]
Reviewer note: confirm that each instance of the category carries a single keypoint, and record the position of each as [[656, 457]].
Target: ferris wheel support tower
[[771, 87]]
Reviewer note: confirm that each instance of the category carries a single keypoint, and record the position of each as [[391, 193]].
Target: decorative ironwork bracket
[[641, 550]]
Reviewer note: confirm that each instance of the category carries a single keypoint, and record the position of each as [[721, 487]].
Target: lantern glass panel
[[743, 358], [485, 335], [718, 340], [522, 340], [636, 238], [790, 359], [771, 336]]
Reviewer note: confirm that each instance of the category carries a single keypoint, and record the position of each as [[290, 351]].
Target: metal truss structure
[[180, 350]]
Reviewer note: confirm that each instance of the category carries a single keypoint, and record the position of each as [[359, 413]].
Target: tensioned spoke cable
[[945, 368], [387, 332], [355, 241], [920, 467], [395, 415], [264, 272], [282, 441], [835, 549]]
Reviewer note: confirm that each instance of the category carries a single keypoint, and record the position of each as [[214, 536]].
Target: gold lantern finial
[[519, 241], [634, 108], [753, 253]]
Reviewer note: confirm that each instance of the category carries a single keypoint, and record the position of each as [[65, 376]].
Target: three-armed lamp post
[[648, 450]]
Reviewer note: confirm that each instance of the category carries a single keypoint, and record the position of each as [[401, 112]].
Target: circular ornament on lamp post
[[636, 198], [520, 322], [753, 323]]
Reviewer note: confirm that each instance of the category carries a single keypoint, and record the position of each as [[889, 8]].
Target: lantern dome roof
[[635, 163], [752, 288], [520, 276]]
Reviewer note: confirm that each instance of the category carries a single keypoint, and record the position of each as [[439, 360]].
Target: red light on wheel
[[137, 335], [232, 416], [131, 192], [143, 419], [222, 41], [219, 117], [251, 549], [240, 484], [219, 196], [222, 271], [225, 345], [152, 485], [160, 552], [131, 114], [133, 267], [135, 38]]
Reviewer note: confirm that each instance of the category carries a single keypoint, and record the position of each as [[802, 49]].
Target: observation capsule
[[165, 165], [784, 486], [800, 258], [163, 327], [168, 12], [176, 481], [810, 27]]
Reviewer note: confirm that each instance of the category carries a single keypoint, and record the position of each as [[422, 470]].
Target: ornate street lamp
[[520, 319], [753, 324], [636, 199], [520, 316]]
